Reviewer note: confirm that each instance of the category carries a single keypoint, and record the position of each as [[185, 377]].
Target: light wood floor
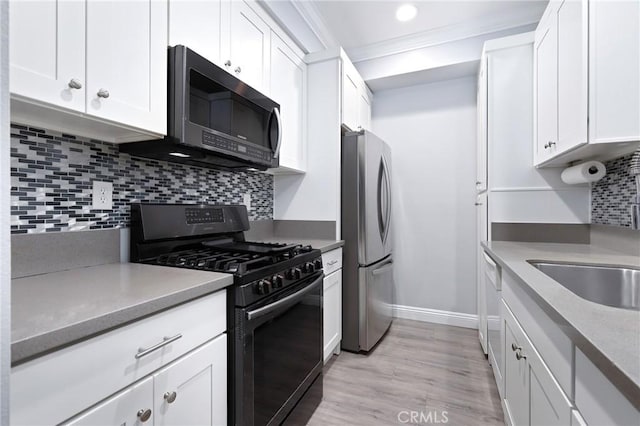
[[417, 367]]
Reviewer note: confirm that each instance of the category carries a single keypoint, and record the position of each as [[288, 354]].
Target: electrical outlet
[[247, 200], [102, 195]]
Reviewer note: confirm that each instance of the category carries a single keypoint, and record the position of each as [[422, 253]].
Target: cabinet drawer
[[332, 260], [77, 376]]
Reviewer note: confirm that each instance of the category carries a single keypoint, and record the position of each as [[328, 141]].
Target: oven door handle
[[287, 301]]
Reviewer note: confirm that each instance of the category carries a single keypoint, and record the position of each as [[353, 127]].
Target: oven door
[[279, 352]]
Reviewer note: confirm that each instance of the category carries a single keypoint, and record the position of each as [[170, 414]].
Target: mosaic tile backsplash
[[52, 178], [611, 197]]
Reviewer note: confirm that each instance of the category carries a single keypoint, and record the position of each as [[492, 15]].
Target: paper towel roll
[[589, 171]]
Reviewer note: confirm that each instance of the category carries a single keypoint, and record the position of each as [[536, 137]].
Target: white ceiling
[[358, 23]]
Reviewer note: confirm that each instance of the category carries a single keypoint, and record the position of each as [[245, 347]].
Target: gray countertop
[[52, 310], [609, 336]]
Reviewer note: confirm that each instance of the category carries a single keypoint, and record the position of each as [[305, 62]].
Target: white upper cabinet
[[47, 42], [482, 141], [127, 62], [587, 81], [356, 98], [107, 59], [191, 24], [288, 89], [249, 47]]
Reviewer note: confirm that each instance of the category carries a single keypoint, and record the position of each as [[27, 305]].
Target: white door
[[364, 111], [546, 81], [288, 83], [197, 25], [127, 62], [481, 228], [481, 153], [249, 46], [350, 100], [516, 376], [332, 313], [572, 74], [192, 390], [47, 51], [130, 407]]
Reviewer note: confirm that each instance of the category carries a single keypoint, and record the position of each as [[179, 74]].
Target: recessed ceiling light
[[406, 12], [179, 154]]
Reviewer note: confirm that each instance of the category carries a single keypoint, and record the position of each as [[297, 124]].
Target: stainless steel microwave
[[214, 119]]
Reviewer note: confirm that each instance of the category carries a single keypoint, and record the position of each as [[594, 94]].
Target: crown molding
[[440, 35], [312, 17]]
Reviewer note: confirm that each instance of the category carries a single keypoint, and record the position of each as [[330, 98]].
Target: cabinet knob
[[549, 144], [478, 204], [170, 396], [103, 93], [144, 414], [228, 63], [515, 347], [519, 355], [75, 84], [238, 70]]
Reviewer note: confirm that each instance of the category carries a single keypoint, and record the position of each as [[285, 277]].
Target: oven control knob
[[277, 280], [318, 264], [294, 274], [259, 288], [267, 286], [308, 268]]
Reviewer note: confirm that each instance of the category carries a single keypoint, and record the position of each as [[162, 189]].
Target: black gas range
[[274, 309]]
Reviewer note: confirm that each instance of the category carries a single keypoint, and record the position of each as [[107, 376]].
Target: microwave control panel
[[237, 147]]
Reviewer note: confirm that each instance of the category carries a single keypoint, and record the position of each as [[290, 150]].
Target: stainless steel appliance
[[214, 119], [366, 228], [274, 307]]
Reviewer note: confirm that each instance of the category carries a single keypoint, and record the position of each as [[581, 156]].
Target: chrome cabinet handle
[[170, 396], [238, 70], [478, 204], [228, 63], [103, 93], [74, 83], [519, 355], [478, 182], [515, 347], [165, 341], [549, 145], [144, 414]]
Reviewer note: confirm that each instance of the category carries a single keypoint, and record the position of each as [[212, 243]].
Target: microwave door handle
[[276, 111]]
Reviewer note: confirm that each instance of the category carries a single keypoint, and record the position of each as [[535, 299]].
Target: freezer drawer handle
[[165, 341], [383, 270]]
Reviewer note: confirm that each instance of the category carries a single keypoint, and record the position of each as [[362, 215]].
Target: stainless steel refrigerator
[[367, 286]]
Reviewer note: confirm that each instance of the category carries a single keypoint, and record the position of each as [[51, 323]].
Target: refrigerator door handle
[[384, 269], [388, 199], [381, 210]]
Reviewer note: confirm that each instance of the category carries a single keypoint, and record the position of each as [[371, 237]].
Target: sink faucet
[[635, 207]]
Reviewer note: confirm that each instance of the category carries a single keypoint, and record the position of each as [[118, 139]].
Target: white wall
[[5, 249], [432, 133]]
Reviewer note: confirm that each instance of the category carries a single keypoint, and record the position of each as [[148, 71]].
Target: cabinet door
[[128, 407], [47, 42], [127, 62], [193, 390], [481, 154], [197, 25], [350, 100], [481, 235], [614, 71], [288, 88], [546, 86], [516, 375], [332, 313], [249, 46], [572, 74], [364, 110]]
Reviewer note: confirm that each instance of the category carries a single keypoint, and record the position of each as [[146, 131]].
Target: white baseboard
[[457, 319]]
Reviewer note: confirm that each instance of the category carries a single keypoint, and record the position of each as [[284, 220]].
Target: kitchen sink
[[615, 286]]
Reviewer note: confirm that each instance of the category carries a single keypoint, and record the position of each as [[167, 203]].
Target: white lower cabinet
[[332, 314], [190, 391], [185, 353], [532, 395]]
